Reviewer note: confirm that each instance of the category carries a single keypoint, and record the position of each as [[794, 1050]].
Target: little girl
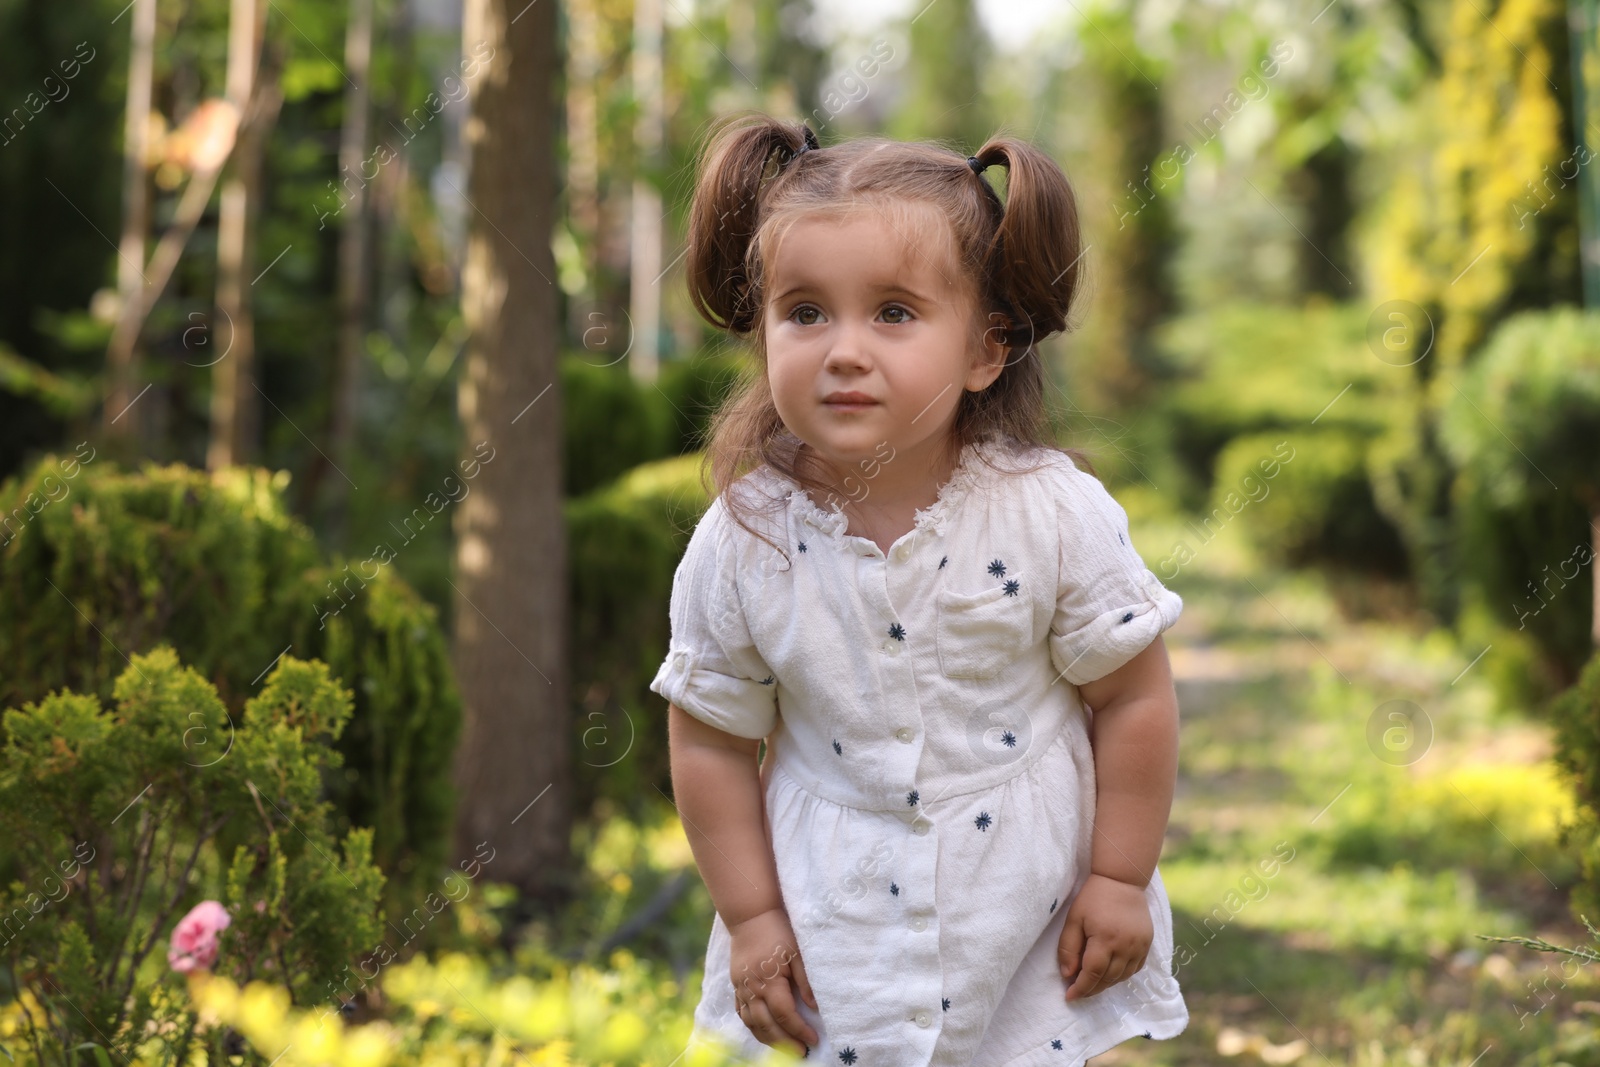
[[931, 865]]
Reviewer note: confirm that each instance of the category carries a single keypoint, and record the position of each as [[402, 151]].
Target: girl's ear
[[992, 354]]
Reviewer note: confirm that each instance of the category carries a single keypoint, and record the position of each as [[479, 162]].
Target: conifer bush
[[99, 564], [119, 820]]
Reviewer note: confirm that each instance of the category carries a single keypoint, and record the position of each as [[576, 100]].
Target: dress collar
[[833, 522]]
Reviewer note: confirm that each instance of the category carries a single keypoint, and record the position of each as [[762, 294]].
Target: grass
[[1363, 949]]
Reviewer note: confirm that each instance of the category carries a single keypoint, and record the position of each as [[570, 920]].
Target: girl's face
[[869, 340]]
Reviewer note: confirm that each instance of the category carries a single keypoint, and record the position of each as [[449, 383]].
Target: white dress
[[931, 795]]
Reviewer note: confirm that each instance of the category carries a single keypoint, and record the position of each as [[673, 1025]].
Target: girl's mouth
[[851, 401]]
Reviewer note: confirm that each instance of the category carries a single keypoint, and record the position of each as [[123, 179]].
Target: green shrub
[[119, 821], [625, 541], [1575, 714], [1491, 817], [695, 387], [613, 424], [1316, 508], [1521, 423], [1251, 368], [105, 564]]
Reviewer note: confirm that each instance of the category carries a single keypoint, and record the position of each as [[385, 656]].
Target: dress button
[[891, 647], [919, 924], [919, 828], [904, 734], [902, 552], [923, 1018]]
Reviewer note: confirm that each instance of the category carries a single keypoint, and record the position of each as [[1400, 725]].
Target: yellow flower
[[261, 1017], [312, 1041], [368, 1046]]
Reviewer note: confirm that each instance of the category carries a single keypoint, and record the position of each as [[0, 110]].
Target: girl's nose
[[847, 348]]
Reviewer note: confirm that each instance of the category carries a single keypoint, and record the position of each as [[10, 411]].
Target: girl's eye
[[895, 309], [801, 313]]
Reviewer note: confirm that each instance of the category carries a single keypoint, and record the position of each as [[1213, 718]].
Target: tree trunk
[[644, 282], [584, 67], [353, 271], [513, 773], [233, 403], [123, 362], [1594, 571]]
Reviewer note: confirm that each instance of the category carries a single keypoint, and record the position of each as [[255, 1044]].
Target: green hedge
[[625, 543], [1303, 497], [613, 423], [1252, 368], [118, 821], [1576, 717], [1521, 423], [102, 564]]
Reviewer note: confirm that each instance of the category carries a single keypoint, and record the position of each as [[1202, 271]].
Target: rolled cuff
[[742, 707], [1112, 638]]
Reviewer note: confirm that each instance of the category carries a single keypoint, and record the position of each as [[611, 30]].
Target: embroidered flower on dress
[[1011, 586], [1056, 1043], [997, 568], [836, 747], [1128, 617], [848, 1055], [768, 680], [894, 888], [1053, 904], [983, 821], [897, 631], [1008, 739], [942, 561], [944, 1004], [802, 546], [912, 798]]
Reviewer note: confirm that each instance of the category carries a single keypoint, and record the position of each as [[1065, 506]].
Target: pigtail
[[725, 210], [1035, 258]]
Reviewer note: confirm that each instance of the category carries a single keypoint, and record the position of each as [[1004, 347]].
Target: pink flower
[[194, 939]]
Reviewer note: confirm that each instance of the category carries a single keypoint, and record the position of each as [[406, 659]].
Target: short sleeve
[[1109, 605], [712, 669]]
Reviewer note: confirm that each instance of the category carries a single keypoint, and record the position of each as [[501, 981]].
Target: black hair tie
[[977, 167], [809, 143]]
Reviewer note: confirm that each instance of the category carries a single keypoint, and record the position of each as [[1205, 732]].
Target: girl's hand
[[764, 960], [1106, 937]]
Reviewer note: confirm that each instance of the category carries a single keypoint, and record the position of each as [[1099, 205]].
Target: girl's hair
[[1019, 260]]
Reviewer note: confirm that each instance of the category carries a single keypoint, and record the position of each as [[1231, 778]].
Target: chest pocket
[[980, 634]]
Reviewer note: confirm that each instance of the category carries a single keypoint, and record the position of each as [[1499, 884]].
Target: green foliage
[[1522, 423], [613, 423], [1476, 162], [625, 541], [102, 564], [695, 388], [1251, 376], [121, 820], [1248, 368], [1318, 508], [1525, 417], [1493, 817], [1575, 715]]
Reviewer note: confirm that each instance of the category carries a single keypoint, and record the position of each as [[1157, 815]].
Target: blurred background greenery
[[283, 282]]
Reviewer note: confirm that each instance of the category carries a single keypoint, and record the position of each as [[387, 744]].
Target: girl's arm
[[1134, 732], [717, 784]]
